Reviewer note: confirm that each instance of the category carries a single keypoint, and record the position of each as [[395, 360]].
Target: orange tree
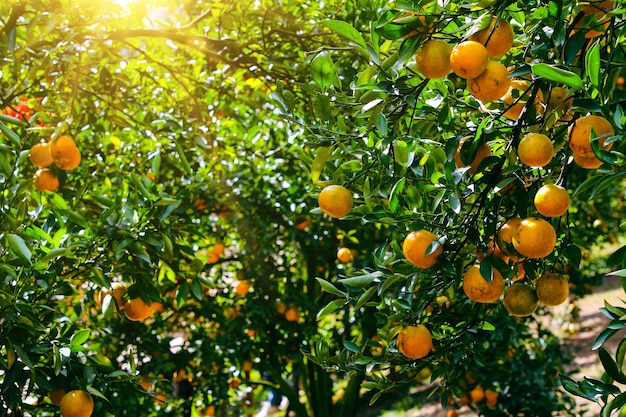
[[432, 135], [173, 263], [157, 253]]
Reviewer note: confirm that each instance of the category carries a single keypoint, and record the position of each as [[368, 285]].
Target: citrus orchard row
[[527, 135]]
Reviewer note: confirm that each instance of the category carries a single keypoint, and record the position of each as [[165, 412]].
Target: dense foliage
[[206, 132]]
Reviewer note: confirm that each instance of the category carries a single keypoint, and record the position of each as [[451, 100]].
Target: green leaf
[[320, 161], [346, 30], [603, 337], [486, 270], [79, 338], [360, 280], [330, 288], [364, 298], [401, 152], [351, 346], [553, 73], [329, 308], [323, 70], [592, 64], [610, 366], [10, 134], [19, 247]]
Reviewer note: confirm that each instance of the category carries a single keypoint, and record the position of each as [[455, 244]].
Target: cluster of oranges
[[487, 79], [517, 239], [62, 152]]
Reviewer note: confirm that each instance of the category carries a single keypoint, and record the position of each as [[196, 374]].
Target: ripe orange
[[40, 155], [415, 342], [65, 153], [45, 180], [482, 152], [491, 397], [76, 403], [335, 200], [433, 59], [505, 238], [520, 300], [344, 255], [453, 413], [557, 100], [242, 288], [469, 59], [552, 200], [292, 314], [477, 394], [219, 248], [478, 289], [281, 307], [599, 23], [516, 98], [585, 129], [535, 150], [302, 223], [534, 238], [587, 161], [415, 247], [552, 289], [492, 84], [136, 309], [497, 41]]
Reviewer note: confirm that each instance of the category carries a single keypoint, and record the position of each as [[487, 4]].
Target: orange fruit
[[520, 300], [505, 238], [219, 248], [492, 84], [136, 309], [292, 314], [247, 365], [65, 153], [40, 155], [516, 98], [552, 200], [242, 288], [478, 289], [491, 397], [534, 238], [557, 100], [335, 200], [552, 289], [497, 41], [433, 59], [344, 255], [302, 223], [415, 342], [520, 272], [535, 150], [76, 403], [45, 180], [482, 152], [415, 246], [586, 128], [477, 394], [596, 25], [56, 396], [468, 59], [587, 161], [453, 413], [281, 307]]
